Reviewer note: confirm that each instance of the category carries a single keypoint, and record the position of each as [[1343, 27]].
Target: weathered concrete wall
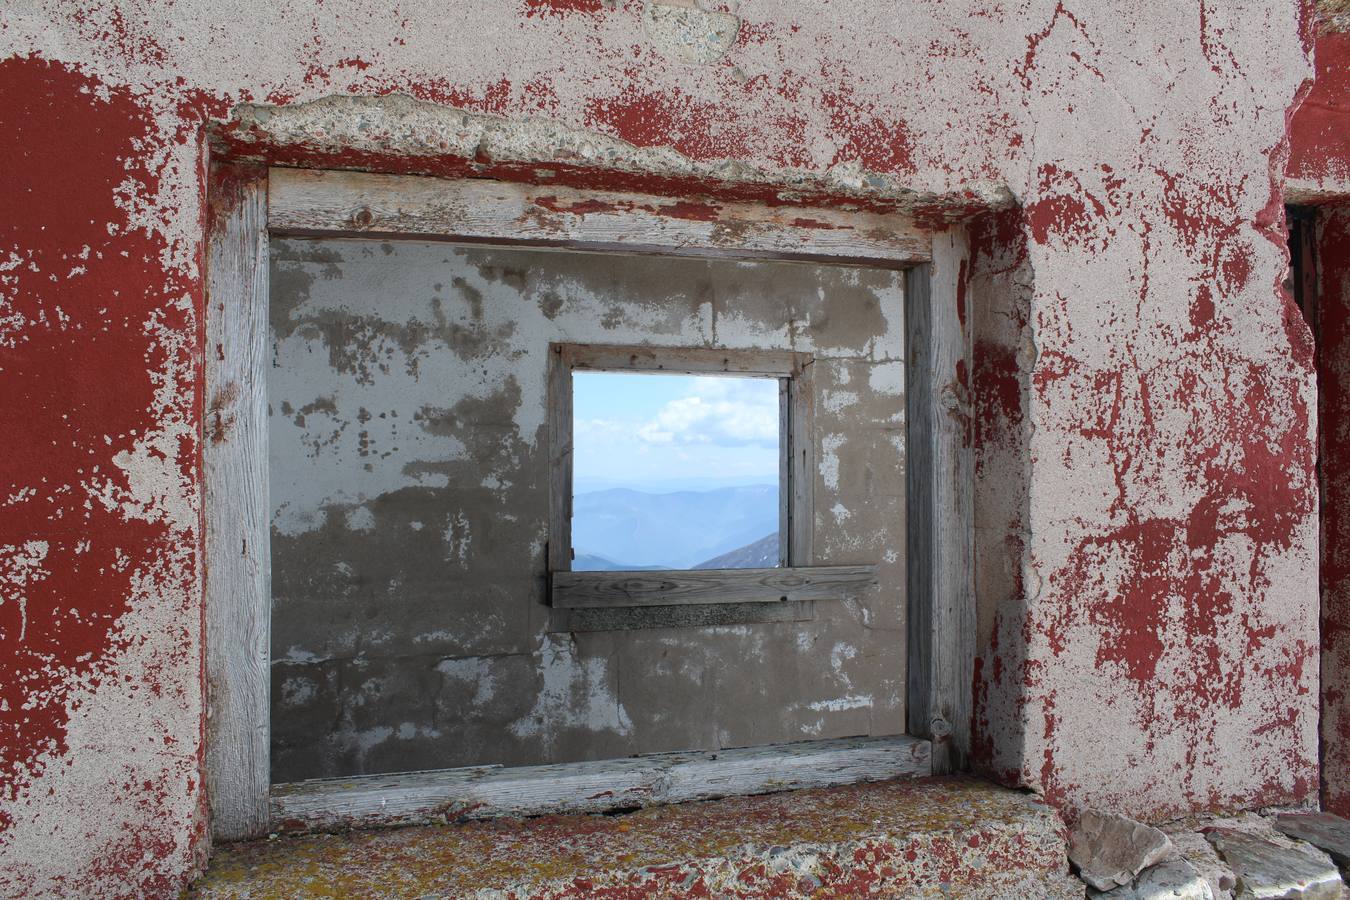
[[410, 510], [1166, 627]]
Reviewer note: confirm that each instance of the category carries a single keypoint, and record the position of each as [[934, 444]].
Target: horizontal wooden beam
[[683, 360], [580, 590], [709, 615], [590, 787], [315, 201]]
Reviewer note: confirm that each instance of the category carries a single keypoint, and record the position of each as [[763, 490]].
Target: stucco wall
[[409, 488], [1164, 607]]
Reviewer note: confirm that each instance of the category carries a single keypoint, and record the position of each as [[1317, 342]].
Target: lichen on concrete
[[912, 839]]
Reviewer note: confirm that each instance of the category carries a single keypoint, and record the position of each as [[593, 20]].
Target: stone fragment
[[1174, 879], [1330, 833], [1193, 848], [1109, 849], [1268, 868]]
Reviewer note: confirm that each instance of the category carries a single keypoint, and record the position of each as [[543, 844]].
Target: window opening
[[676, 472]]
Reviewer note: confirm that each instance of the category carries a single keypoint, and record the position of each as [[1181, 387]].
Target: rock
[[1194, 849], [1174, 879], [1266, 868], [1330, 833], [1109, 850]]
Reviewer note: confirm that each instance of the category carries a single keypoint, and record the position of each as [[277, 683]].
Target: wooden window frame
[[794, 581], [248, 202]]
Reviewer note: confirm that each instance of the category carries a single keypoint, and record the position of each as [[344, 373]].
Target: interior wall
[[409, 489], [1167, 624]]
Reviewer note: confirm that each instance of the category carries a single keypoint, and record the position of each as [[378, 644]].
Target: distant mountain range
[[624, 529], [762, 554]]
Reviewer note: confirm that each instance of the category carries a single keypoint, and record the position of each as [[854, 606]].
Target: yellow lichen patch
[[900, 832]]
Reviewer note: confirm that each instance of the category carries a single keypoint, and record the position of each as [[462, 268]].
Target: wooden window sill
[[485, 792]]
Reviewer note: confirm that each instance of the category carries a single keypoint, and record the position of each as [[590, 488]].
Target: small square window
[[676, 471], [607, 576]]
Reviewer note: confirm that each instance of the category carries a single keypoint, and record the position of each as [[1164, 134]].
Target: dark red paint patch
[[1333, 366], [534, 9], [78, 389], [1319, 135], [1066, 213]]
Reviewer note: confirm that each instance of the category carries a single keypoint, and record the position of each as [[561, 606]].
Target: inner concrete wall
[[410, 504]]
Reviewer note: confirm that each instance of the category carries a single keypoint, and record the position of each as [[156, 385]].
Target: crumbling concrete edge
[[348, 131]]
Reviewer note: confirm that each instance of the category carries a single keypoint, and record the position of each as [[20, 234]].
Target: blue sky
[[658, 432]]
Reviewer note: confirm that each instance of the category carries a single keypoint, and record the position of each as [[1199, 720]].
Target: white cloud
[[726, 412]]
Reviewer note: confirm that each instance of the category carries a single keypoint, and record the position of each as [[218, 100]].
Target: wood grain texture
[[592, 787], [581, 590], [940, 504], [686, 360], [784, 471], [801, 467], [234, 456], [626, 618], [560, 458], [306, 202]]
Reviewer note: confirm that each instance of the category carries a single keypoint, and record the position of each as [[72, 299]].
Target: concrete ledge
[[957, 837]]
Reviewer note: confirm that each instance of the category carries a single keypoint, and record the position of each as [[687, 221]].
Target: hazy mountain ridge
[[762, 554], [629, 529]]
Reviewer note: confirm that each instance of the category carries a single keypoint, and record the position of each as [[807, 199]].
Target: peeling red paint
[[540, 8], [76, 143], [1320, 131], [1065, 212], [1333, 367]]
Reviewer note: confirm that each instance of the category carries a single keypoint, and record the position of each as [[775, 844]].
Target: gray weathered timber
[[578, 590], [709, 615], [560, 458], [940, 500], [308, 202], [684, 360], [801, 468], [591, 787], [234, 456], [784, 470]]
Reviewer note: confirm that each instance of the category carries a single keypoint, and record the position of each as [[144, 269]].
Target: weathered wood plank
[[591, 787], [686, 360], [306, 201], [580, 590], [560, 458], [238, 554], [801, 484], [626, 618], [785, 472], [940, 501]]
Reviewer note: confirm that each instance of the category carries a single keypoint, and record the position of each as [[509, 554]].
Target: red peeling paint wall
[[1319, 153], [1319, 174], [1148, 574], [1333, 367]]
